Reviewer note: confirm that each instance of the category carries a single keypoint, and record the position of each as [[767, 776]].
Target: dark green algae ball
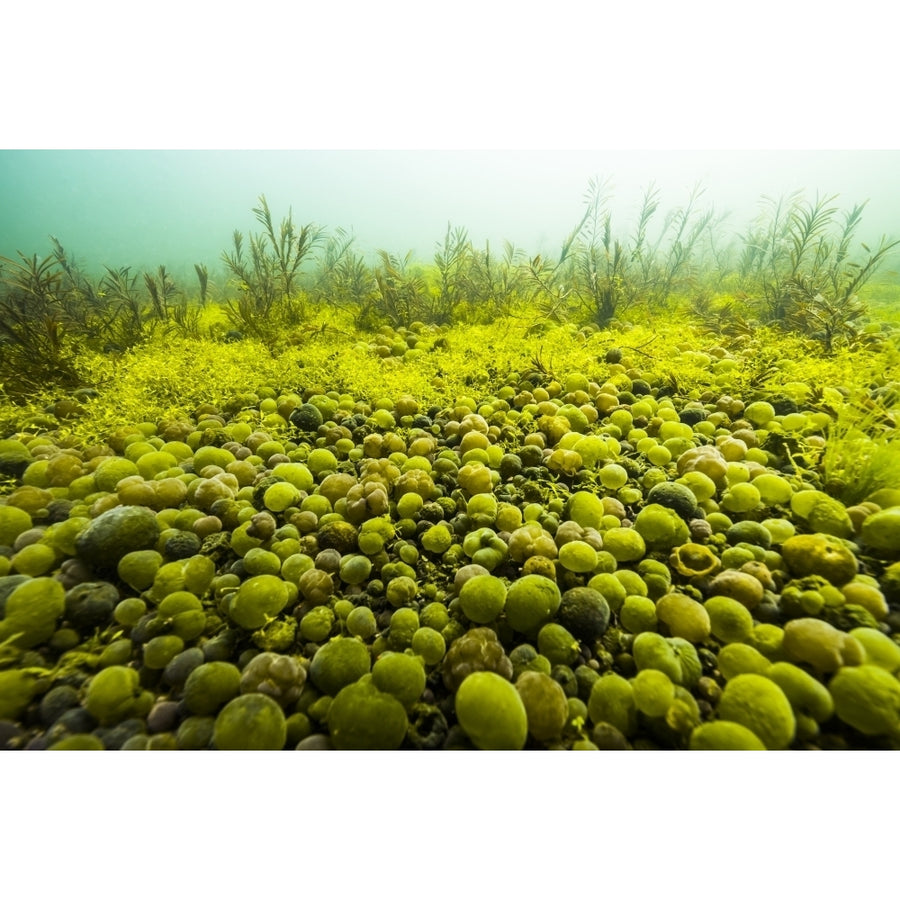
[[114, 534], [250, 722], [338, 663]]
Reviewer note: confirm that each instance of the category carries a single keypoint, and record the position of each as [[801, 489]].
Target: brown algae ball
[[491, 712], [251, 721]]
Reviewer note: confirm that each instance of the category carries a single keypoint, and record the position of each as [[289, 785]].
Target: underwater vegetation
[[518, 520]]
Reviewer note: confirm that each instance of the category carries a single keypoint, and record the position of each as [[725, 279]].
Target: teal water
[[177, 208]]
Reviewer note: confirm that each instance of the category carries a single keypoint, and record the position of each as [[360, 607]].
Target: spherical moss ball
[[881, 532], [531, 601], [612, 701], [116, 532], [807, 695], [545, 703], [880, 649], [112, 694], [361, 622], [400, 675], [819, 554], [867, 698], [482, 598], [821, 645], [653, 651], [250, 722], [684, 617], [31, 611], [338, 663], [638, 614], [760, 705], [280, 496], [211, 685], [557, 644], [730, 621], [430, 645], [738, 659], [13, 522], [361, 717], [491, 712], [316, 625], [139, 567], [585, 612], [624, 544], [577, 556], [722, 735], [257, 600], [660, 527], [653, 692]]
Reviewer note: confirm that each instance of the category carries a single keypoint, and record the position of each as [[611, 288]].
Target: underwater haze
[[145, 208]]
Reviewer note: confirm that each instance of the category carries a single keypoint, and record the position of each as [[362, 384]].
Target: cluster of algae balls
[[583, 563]]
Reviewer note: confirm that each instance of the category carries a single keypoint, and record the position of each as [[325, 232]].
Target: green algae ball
[[278, 497], [491, 712], [586, 509], [361, 622], [257, 600], [546, 705], [820, 554], [880, 649], [430, 645], [139, 567], [624, 544], [638, 614], [113, 694], [867, 698], [738, 659], [577, 556], [557, 644], [338, 663], [653, 692], [760, 705], [361, 717], [17, 689], [250, 722], [660, 527], [585, 612], [729, 620], [316, 625], [482, 598], [211, 685], [115, 533], [31, 612], [807, 695], [612, 701], [821, 645], [531, 601], [881, 532], [653, 651], [722, 735], [400, 675], [684, 617]]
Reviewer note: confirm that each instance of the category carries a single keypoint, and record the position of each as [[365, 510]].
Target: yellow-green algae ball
[[557, 644], [401, 675], [867, 698], [760, 705], [730, 621], [482, 598], [684, 617], [739, 659], [491, 712], [31, 612], [361, 717], [18, 688], [807, 695], [578, 556], [653, 692], [624, 544], [546, 705], [821, 645], [638, 614], [723, 735], [531, 601], [820, 554], [430, 645], [361, 622], [250, 722], [880, 649], [340, 662], [612, 701], [881, 532], [113, 694], [138, 568], [660, 527], [211, 685], [257, 600]]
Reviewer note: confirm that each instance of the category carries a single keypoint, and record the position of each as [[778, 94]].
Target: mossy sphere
[[257, 600], [250, 722], [760, 705], [361, 717], [491, 712], [545, 703], [653, 692], [116, 532], [612, 701], [531, 601], [401, 675], [807, 695], [867, 698], [210, 686], [624, 544], [338, 663], [722, 735], [879, 648], [684, 617], [482, 598], [819, 554], [660, 527], [738, 659], [31, 612], [112, 694], [729, 620], [820, 645]]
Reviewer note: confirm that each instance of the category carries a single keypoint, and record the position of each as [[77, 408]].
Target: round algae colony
[[626, 549]]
